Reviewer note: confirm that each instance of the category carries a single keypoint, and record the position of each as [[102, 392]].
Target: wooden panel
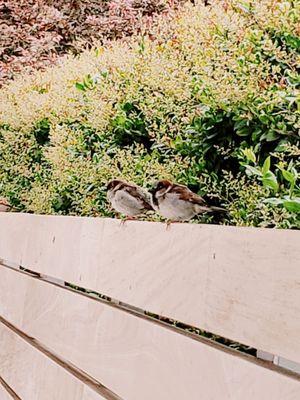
[[240, 283], [33, 376], [89, 394], [4, 395], [134, 357]]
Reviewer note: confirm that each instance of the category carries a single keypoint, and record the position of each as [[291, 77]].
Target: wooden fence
[[61, 340]]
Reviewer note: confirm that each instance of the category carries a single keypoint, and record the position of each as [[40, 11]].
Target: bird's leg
[[118, 216], [168, 226], [169, 222]]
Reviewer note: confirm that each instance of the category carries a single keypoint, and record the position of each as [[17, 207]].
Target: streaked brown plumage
[[178, 203], [127, 198]]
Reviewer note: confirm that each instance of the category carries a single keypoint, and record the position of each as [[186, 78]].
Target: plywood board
[[4, 395], [240, 283], [33, 376], [134, 357]]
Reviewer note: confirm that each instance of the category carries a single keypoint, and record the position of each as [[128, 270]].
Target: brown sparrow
[[4, 205], [177, 202], [127, 198]]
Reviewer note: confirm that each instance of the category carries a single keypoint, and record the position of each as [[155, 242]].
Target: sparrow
[[127, 198], [4, 205], [178, 203]]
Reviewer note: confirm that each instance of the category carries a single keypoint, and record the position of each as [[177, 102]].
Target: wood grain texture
[[133, 357], [240, 283], [33, 376], [4, 395]]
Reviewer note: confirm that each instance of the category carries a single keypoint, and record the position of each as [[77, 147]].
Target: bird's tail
[[218, 209], [202, 209]]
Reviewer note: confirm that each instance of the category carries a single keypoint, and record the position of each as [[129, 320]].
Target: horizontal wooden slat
[[4, 395], [135, 358], [33, 376], [240, 283]]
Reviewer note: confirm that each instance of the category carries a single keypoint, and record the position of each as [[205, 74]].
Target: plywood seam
[[127, 308], [9, 390], [79, 374]]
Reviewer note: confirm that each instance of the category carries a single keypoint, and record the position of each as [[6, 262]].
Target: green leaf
[[288, 176], [282, 146], [263, 118], [249, 154], [270, 181], [273, 200], [292, 205], [80, 86], [292, 41], [270, 136], [104, 73], [243, 132], [253, 171], [98, 51], [266, 166]]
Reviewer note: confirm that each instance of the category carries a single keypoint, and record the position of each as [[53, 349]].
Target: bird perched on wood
[[178, 203], [4, 205], [128, 199]]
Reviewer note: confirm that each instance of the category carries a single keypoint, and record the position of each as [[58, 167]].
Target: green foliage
[[129, 126], [210, 100], [282, 182], [88, 83]]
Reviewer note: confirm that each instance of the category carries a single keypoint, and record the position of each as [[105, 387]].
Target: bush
[[34, 33], [204, 100]]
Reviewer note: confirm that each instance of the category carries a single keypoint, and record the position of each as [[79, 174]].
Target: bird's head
[[113, 184], [161, 188]]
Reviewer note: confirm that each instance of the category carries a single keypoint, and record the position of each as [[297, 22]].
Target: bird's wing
[[139, 194], [187, 195]]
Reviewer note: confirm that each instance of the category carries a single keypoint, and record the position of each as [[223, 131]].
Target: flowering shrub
[[203, 100]]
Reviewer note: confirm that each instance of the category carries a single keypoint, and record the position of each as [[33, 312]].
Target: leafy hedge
[[210, 100]]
